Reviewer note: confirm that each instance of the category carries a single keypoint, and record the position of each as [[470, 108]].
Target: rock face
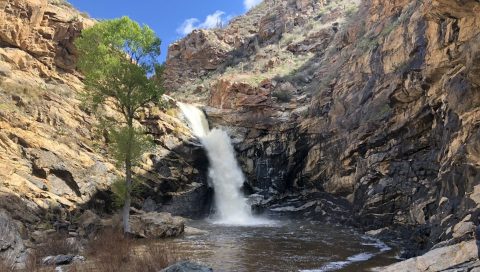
[[376, 102], [43, 30], [156, 225], [46, 161], [12, 247]]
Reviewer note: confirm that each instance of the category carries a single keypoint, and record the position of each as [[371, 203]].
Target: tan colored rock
[[438, 259], [156, 225], [191, 231], [43, 30], [463, 228], [234, 95]]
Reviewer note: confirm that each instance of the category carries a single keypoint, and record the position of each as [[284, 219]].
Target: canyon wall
[[376, 102], [54, 162], [369, 102]]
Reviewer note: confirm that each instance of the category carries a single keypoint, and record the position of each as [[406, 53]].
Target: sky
[[170, 19]]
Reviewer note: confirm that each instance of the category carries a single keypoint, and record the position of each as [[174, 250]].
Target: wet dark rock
[[307, 205], [177, 183], [187, 266], [193, 202]]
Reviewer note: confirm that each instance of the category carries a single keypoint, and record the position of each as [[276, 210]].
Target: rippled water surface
[[283, 246]]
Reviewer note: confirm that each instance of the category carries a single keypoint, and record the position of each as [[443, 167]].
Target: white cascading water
[[225, 173]]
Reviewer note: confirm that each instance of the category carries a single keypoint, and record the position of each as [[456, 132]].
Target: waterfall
[[225, 173]]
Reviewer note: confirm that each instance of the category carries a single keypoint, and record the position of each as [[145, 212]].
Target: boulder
[[187, 266], [463, 228], [190, 231], [156, 225], [439, 259]]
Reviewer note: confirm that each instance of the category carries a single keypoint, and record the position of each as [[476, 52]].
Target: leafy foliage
[[120, 192], [116, 57], [128, 141]]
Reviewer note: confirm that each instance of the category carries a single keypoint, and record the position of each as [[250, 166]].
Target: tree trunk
[[128, 200], [128, 178]]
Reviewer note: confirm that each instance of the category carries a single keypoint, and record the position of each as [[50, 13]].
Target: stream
[[286, 245]]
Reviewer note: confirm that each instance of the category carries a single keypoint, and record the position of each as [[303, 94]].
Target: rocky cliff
[[375, 102]]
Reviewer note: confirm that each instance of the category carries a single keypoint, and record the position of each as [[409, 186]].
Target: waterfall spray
[[225, 173]]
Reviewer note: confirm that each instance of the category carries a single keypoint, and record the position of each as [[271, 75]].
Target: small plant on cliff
[[282, 96], [118, 58]]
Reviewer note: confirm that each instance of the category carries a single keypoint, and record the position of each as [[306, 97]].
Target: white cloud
[[251, 3], [213, 20], [187, 26]]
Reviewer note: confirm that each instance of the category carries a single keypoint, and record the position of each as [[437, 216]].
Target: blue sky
[[171, 19]]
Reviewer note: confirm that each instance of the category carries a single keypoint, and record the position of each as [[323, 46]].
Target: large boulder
[[156, 225]]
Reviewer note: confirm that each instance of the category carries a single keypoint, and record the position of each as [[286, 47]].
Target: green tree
[[119, 59]]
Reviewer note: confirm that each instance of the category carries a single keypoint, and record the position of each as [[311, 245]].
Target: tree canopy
[[117, 58]]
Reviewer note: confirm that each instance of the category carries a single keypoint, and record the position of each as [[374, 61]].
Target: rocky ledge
[[458, 257]]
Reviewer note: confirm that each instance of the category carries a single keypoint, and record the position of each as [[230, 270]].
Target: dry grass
[[110, 251], [56, 244]]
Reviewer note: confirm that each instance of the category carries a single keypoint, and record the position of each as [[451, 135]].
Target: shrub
[[282, 96], [351, 9]]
